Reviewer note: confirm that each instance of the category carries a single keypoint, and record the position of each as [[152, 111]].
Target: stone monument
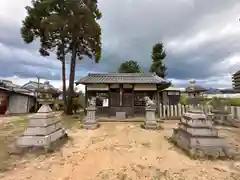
[[90, 121], [196, 134], [220, 115], [150, 115], [43, 127]]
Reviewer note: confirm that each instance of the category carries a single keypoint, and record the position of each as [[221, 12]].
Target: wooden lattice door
[[127, 99], [115, 99]]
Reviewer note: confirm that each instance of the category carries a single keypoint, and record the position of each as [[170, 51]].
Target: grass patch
[[8, 132], [73, 122]]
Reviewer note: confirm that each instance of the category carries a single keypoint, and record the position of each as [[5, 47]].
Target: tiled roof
[[34, 86], [118, 78], [15, 90]]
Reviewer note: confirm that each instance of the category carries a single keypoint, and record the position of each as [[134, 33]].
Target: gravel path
[[121, 151]]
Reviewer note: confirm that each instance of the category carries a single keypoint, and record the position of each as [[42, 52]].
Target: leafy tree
[[85, 36], [68, 27], [43, 22], [129, 67], [158, 55]]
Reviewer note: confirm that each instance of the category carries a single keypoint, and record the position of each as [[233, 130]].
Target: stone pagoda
[[44, 128], [195, 133]]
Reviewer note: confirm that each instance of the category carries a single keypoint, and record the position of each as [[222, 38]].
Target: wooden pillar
[[133, 100], [86, 100], [121, 95], [109, 100], [158, 102]]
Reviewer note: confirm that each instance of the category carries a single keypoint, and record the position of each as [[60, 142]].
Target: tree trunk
[[64, 84], [62, 59], [71, 81]]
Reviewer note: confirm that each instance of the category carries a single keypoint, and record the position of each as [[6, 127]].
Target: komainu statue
[[92, 102], [149, 103]]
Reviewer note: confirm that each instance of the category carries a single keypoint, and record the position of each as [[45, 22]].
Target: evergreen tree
[[129, 67], [66, 27], [158, 55]]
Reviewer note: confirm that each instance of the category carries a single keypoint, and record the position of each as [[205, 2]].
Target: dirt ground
[[122, 151]]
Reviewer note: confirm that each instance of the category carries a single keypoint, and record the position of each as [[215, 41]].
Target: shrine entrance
[[121, 94]]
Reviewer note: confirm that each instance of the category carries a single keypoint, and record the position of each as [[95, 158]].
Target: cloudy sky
[[201, 37]]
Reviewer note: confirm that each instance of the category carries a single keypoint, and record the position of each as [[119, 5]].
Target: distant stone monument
[[196, 134], [220, 115], [43, 127], [90, 121], [150, 115]]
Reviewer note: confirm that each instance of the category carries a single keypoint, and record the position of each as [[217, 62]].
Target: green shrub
[[183, 100], [59, 104], [228, 102], [79, 101], [234, 102]]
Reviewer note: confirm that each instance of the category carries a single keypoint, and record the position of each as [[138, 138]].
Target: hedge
[[234, 102], [77, 101], [231, 101]]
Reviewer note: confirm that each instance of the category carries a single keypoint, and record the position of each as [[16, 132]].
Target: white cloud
[[223, 81], [191, 31], [13, 12]]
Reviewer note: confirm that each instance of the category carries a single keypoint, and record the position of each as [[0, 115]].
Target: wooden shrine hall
[[123, 92]]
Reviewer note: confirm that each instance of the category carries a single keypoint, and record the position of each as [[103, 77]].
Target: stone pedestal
[[196, 135], [90, 121], [222, 117], [43, 129], [150, 122]]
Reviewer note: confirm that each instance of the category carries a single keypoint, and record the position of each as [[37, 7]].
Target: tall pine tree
[[158, 55]]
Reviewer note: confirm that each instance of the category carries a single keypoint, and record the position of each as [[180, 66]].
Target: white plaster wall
[[145, 87], [165, 98], [102, 87], [114, 86], [31, 102], [18, 104]]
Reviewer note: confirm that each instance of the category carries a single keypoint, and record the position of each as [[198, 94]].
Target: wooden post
[[121, 95], [133, 100], [86, 100], [109, 100], [158, 102]]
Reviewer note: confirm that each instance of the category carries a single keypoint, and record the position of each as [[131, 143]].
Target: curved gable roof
[[122, 78]]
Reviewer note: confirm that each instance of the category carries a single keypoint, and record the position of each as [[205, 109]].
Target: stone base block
[[192, 115], [91, 126], [26, 141], [38, 131], [42, 122], [196, 122], [198, 146], [43, 115], [211, 132], [151, 126]]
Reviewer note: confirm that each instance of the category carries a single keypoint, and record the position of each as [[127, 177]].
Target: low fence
[[176, 111]]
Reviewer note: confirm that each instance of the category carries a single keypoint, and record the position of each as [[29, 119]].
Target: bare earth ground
[[121, 151]]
